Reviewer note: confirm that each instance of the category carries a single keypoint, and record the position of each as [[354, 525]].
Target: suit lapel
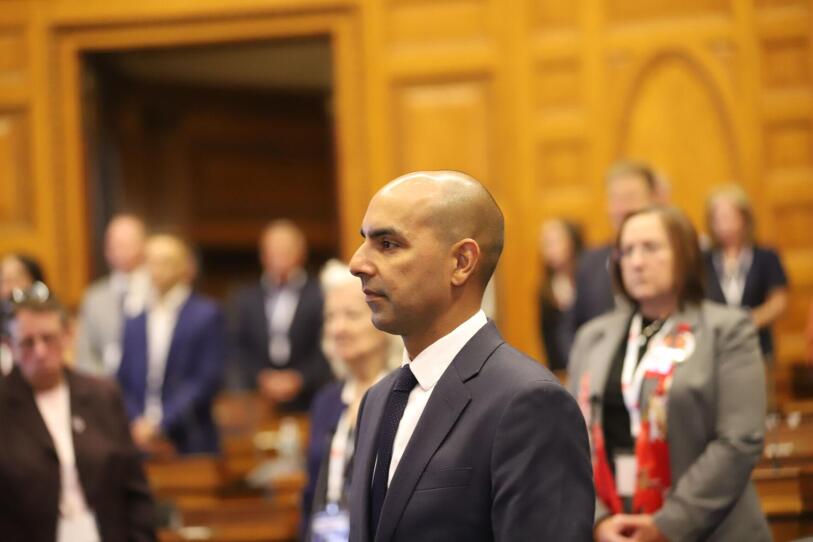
[[260, 319], [364, 455], [689, 315], [605, 351], [178, 341], [21, 400], [83, 446], [446, 404]]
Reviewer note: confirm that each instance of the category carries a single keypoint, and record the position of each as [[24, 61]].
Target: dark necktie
[[396, 403]]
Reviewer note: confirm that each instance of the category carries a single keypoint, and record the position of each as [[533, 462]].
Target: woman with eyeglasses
[[672, 389]]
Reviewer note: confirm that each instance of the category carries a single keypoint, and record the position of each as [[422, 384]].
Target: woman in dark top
[[361, 354], [738, 271], [560, 244], [661, 381]]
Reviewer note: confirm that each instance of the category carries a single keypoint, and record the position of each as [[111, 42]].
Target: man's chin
[[385, 324]]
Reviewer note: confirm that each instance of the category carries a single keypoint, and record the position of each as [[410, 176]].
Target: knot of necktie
[[406, 380]]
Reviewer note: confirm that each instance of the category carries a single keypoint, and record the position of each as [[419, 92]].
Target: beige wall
[[534, 97]]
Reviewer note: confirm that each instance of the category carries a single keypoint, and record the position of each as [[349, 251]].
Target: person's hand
[[628, 528], [279, 386], [143, 431]]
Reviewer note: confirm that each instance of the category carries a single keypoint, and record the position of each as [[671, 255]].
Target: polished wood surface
[[221, 497]]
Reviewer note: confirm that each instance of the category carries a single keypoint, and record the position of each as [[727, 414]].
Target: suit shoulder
[[328, 396], [248, 292], [204, 304], [719, 315], [97, 289], [595, 256], [94, 385], [599, 324], [510, 366]]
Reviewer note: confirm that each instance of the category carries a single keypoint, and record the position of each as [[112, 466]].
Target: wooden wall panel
[[675, 119], [16, 203], [622, 11], [431, 23], [429, 116], [783, 38]]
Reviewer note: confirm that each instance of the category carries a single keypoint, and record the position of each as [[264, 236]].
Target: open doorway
[[212, 142]]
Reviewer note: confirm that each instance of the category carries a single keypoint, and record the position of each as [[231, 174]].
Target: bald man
[[110, 300], [173, 356], [470, 439]]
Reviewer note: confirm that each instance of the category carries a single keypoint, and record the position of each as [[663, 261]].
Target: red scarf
[[651, 451]]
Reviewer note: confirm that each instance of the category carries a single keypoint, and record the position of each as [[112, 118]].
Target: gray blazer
[[499, 453], [715, 413], [99, 330], [98, 342]]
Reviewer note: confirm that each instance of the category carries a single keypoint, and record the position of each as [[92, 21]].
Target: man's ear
[[467, 258]]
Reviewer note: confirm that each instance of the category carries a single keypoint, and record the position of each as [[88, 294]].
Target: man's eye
[[386, 245]]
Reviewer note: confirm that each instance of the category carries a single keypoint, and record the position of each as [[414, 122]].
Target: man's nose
[[40, 347], [359, 264]]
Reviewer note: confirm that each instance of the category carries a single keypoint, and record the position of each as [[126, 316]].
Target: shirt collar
[[174, 298], [429, 365], [296, 281]]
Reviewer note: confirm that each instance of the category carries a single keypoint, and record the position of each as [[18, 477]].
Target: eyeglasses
[[648, 248], [38, 293]]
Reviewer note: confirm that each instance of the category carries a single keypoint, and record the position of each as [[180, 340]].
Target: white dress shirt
[[76, 521], [162, 316], [428, 367], [280, 307], [733, 275]]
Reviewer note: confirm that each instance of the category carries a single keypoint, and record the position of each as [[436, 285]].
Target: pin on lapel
[[78, 424]]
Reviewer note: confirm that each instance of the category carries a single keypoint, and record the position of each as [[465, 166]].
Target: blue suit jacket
[[192, 376]]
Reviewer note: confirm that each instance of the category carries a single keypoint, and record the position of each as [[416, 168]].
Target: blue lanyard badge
[[331, 525]]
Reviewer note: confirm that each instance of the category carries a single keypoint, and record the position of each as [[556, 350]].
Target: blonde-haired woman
[[360, 355]]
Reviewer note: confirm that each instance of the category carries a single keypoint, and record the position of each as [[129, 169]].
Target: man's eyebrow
[[379, 232]]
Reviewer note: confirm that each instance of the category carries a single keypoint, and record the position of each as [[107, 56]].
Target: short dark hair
[[49, 304], [688, 259], [31, 265], [633, 168]]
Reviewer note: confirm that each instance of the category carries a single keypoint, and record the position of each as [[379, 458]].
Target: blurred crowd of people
[[307, 344]]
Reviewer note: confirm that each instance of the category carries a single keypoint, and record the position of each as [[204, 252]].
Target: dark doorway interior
[[213, 142]]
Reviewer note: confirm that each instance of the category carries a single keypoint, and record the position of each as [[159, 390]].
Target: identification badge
[[626, 472], [661, 360], [330, 525]]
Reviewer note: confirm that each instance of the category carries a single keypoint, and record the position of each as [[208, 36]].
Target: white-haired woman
[[360, 354]]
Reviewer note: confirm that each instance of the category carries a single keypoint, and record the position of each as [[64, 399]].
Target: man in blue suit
[[173, 356]]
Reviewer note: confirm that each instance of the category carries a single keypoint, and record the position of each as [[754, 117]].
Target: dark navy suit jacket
[[594, 286], [500, 452], [250, 341], [193, 374], [765, 274]]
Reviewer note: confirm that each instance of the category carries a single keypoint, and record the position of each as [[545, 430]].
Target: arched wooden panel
[[674, 119]]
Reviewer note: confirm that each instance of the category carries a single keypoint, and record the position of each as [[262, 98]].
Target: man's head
[[124, 243], [169, 262], [38, 335], [18, 271], [432, 240], [282, 249], [631, 186]]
